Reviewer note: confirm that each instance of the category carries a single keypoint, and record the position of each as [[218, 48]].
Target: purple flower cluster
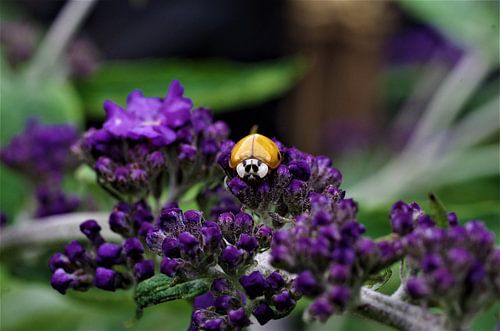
[[192, 246], [225, 307], [27, 154], [53, 201], [101, 266], [327, 251], [457, 268], [152, 139], [106, 265], [286, 189]]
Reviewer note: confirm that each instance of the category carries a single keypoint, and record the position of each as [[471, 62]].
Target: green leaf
[[438, 212], [375, 282], [217, 84], [161, 289], [470, 22]]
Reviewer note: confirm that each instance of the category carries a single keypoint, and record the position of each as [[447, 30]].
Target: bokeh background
[[402, 95]]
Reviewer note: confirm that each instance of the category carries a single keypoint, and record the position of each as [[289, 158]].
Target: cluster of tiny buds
[[228, 306], [327, 251], [101, 265], [457, 267], [107, 265], [191, 246]]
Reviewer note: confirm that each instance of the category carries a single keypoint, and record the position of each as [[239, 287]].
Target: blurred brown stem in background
[[343, 41]]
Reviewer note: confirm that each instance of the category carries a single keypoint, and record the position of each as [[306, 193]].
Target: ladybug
[[254, 155]]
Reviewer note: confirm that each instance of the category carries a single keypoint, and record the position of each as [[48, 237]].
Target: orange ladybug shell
[[258, 147]]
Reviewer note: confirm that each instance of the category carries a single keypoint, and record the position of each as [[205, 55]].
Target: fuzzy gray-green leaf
[[161, 289]]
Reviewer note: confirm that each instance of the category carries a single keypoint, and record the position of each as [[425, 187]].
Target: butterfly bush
[[258, 247], [456, 268]]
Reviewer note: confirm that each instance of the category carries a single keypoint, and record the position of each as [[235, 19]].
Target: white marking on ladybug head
[[252, 169]]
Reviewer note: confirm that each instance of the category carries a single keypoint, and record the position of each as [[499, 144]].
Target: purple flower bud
[[169, 266], [238, 318], [343, 256], [283, 301], [248, 243], [231, 256], [145, 229], [201, 118], [223, 303], [61, 280], [237, 186], [296, 186], [339, 295], [216, 324], [109, 253], [264, 235], [170, 248], [59, 260], [443, 280], [212, 237], [300, 169], [122, 174], [106, 279], [431, 262], [144, 269], [322, 218], [91, 230], [103, 166], [307, 284], [187, 152], [254, 284], [452, 219], [156, 160], [402, 218], [220, 285], [339, 273], [170, 217], [416, 288], [133, 248], [193, 216], [118, 222], [263, 313], [321, 309], [275, 281], [203, 301], [477, 273], [188, 244], [459, 258], [75, 251]]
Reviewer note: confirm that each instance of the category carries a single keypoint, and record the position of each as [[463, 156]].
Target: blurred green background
[[403, 95]]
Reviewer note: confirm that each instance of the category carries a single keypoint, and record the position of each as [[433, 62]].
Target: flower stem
[[60, 33]]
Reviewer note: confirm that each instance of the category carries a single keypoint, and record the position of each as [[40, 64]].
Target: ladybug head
[[252, 169]]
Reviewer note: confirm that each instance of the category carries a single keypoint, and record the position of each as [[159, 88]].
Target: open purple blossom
[[458, 268], [285, 190], [327, 251], [150, 140]]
